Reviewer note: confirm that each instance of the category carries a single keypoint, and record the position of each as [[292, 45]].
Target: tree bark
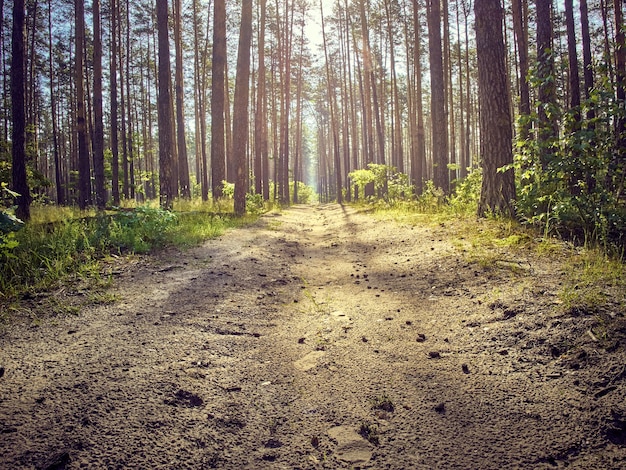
[[18, 131], [84, 167], [218, 149], [98, 131], [573, 75], [498, 188], [333, 122], [240, 112], [58, 174], [181, 141], [520, 27], [420, 155], [617, 168], [260, 124], [438, 116], [368, 128], [165, 112], [547, 132], [200, 100], [587, 58], [115, 161]]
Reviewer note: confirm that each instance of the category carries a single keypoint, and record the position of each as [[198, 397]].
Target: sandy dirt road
[[319, 338]]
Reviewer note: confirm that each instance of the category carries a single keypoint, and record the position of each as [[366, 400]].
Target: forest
[[129, 101], [313, 234]]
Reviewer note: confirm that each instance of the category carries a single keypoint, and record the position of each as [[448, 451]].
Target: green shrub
[[138, 230], [306, 194], [389, 184]]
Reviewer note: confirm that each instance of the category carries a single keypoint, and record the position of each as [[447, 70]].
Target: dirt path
[[319, 338]]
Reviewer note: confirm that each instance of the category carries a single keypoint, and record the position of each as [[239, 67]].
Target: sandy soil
[[320, 338]]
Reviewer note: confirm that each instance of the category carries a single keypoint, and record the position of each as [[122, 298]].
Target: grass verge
[[594, 281], [62, 249]]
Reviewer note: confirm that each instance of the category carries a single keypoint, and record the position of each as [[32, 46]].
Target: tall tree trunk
[[520, 28], [183, 163], [438, 119], [352, 99], [346, 111], [574, 90], [617, 168], [240, 111], [588, 79], [587, 58], [463, 109], [547, 131], [448, 93], [333, 122], [200, 95], [98, 137], [123, 52], [165, 112], [367, 84], [468, 94], [420, 156], [378, 111], [18, 132], [574, 77], [264, 155], [129, 163], [397, 159], [115, 161], [298, 151], [32, 11], [58, 175], [218, 149], [608, 57], [260, 125], [123, 103], [84, 177], [5, 115], [498, 188], [228, 126]]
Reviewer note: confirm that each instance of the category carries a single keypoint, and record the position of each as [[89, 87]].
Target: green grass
[[594, 280], [65, 247]]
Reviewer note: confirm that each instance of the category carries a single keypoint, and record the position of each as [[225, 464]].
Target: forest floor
[[322, 338]]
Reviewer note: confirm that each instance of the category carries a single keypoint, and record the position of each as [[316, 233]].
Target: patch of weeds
[[493, 299], [321, 343], [383, 403], [103, 298], [318, 307], [594, 281], [581, 300], [274, 225], [370, 432], [549, 246], [62, 308], [514, 240]]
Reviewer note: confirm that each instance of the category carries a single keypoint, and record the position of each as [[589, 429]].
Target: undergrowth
[[595, 278], [66, 247]]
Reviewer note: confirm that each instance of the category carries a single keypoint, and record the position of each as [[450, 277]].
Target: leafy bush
[[254, 203], [138, 230], [9, 224], [228, 189], [389, 184], [569, 184], [361, 178], [467, 193], [306, 193]]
